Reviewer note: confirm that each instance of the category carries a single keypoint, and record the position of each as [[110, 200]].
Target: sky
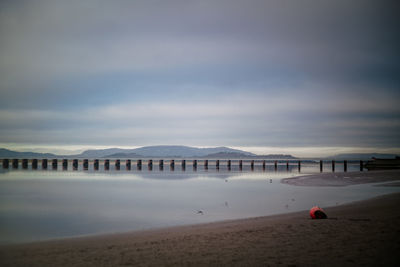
[[309, 77]]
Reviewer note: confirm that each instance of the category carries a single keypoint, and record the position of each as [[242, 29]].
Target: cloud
[[256, 120], [236, 72], [46, 39]]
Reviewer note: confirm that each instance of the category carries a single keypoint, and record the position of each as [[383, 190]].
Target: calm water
[[39, 205]]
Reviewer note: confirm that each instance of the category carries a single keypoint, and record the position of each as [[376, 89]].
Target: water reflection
[[37, 205]]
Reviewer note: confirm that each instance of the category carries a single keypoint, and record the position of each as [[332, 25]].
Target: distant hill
[[100, 153], [233, 155], [5, 153], [122, 155], [276, 156], [225, 155], [168, 151], [184, 151], [147, 151], [150, 152], [361, 156]]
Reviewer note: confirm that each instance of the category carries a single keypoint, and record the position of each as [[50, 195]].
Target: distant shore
[[364, 233]]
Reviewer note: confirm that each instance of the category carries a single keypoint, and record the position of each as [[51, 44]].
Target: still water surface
[[40, 205]]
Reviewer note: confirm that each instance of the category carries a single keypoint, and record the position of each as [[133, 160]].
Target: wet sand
[[345, 178], [365, 233]]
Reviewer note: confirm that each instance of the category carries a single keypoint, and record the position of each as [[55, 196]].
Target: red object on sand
[[317, 213]]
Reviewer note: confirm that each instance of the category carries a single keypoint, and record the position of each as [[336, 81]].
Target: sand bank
[[365, 233], [344, 178]]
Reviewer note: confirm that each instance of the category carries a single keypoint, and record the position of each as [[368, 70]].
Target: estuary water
[[44, 204]]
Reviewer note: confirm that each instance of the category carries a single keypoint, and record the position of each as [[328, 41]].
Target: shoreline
[[360, 233]]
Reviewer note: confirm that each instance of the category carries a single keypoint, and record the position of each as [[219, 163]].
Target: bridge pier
[[194, 165], [75, 164], [15, 163], [34, 164], [85, 164], [25, 164], [65, 164], [44, 164], [6, 163], [54, 164], [161, 165], [183, 165], [107, 165], [96, 165], [117, 164]]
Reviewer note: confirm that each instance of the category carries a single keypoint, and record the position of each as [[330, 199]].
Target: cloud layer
[[238, 73]]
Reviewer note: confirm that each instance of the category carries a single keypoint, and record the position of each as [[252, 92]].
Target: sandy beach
[[365, 233]]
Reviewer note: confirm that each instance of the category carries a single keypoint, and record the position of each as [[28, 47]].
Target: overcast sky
[[265, 75]]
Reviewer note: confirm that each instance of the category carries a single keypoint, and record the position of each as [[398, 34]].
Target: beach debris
[[200, 212], [317, 213]]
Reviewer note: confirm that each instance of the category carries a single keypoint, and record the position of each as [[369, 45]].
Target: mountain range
[[178, 152], [145, 152], [160, 151], [5, 153]]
